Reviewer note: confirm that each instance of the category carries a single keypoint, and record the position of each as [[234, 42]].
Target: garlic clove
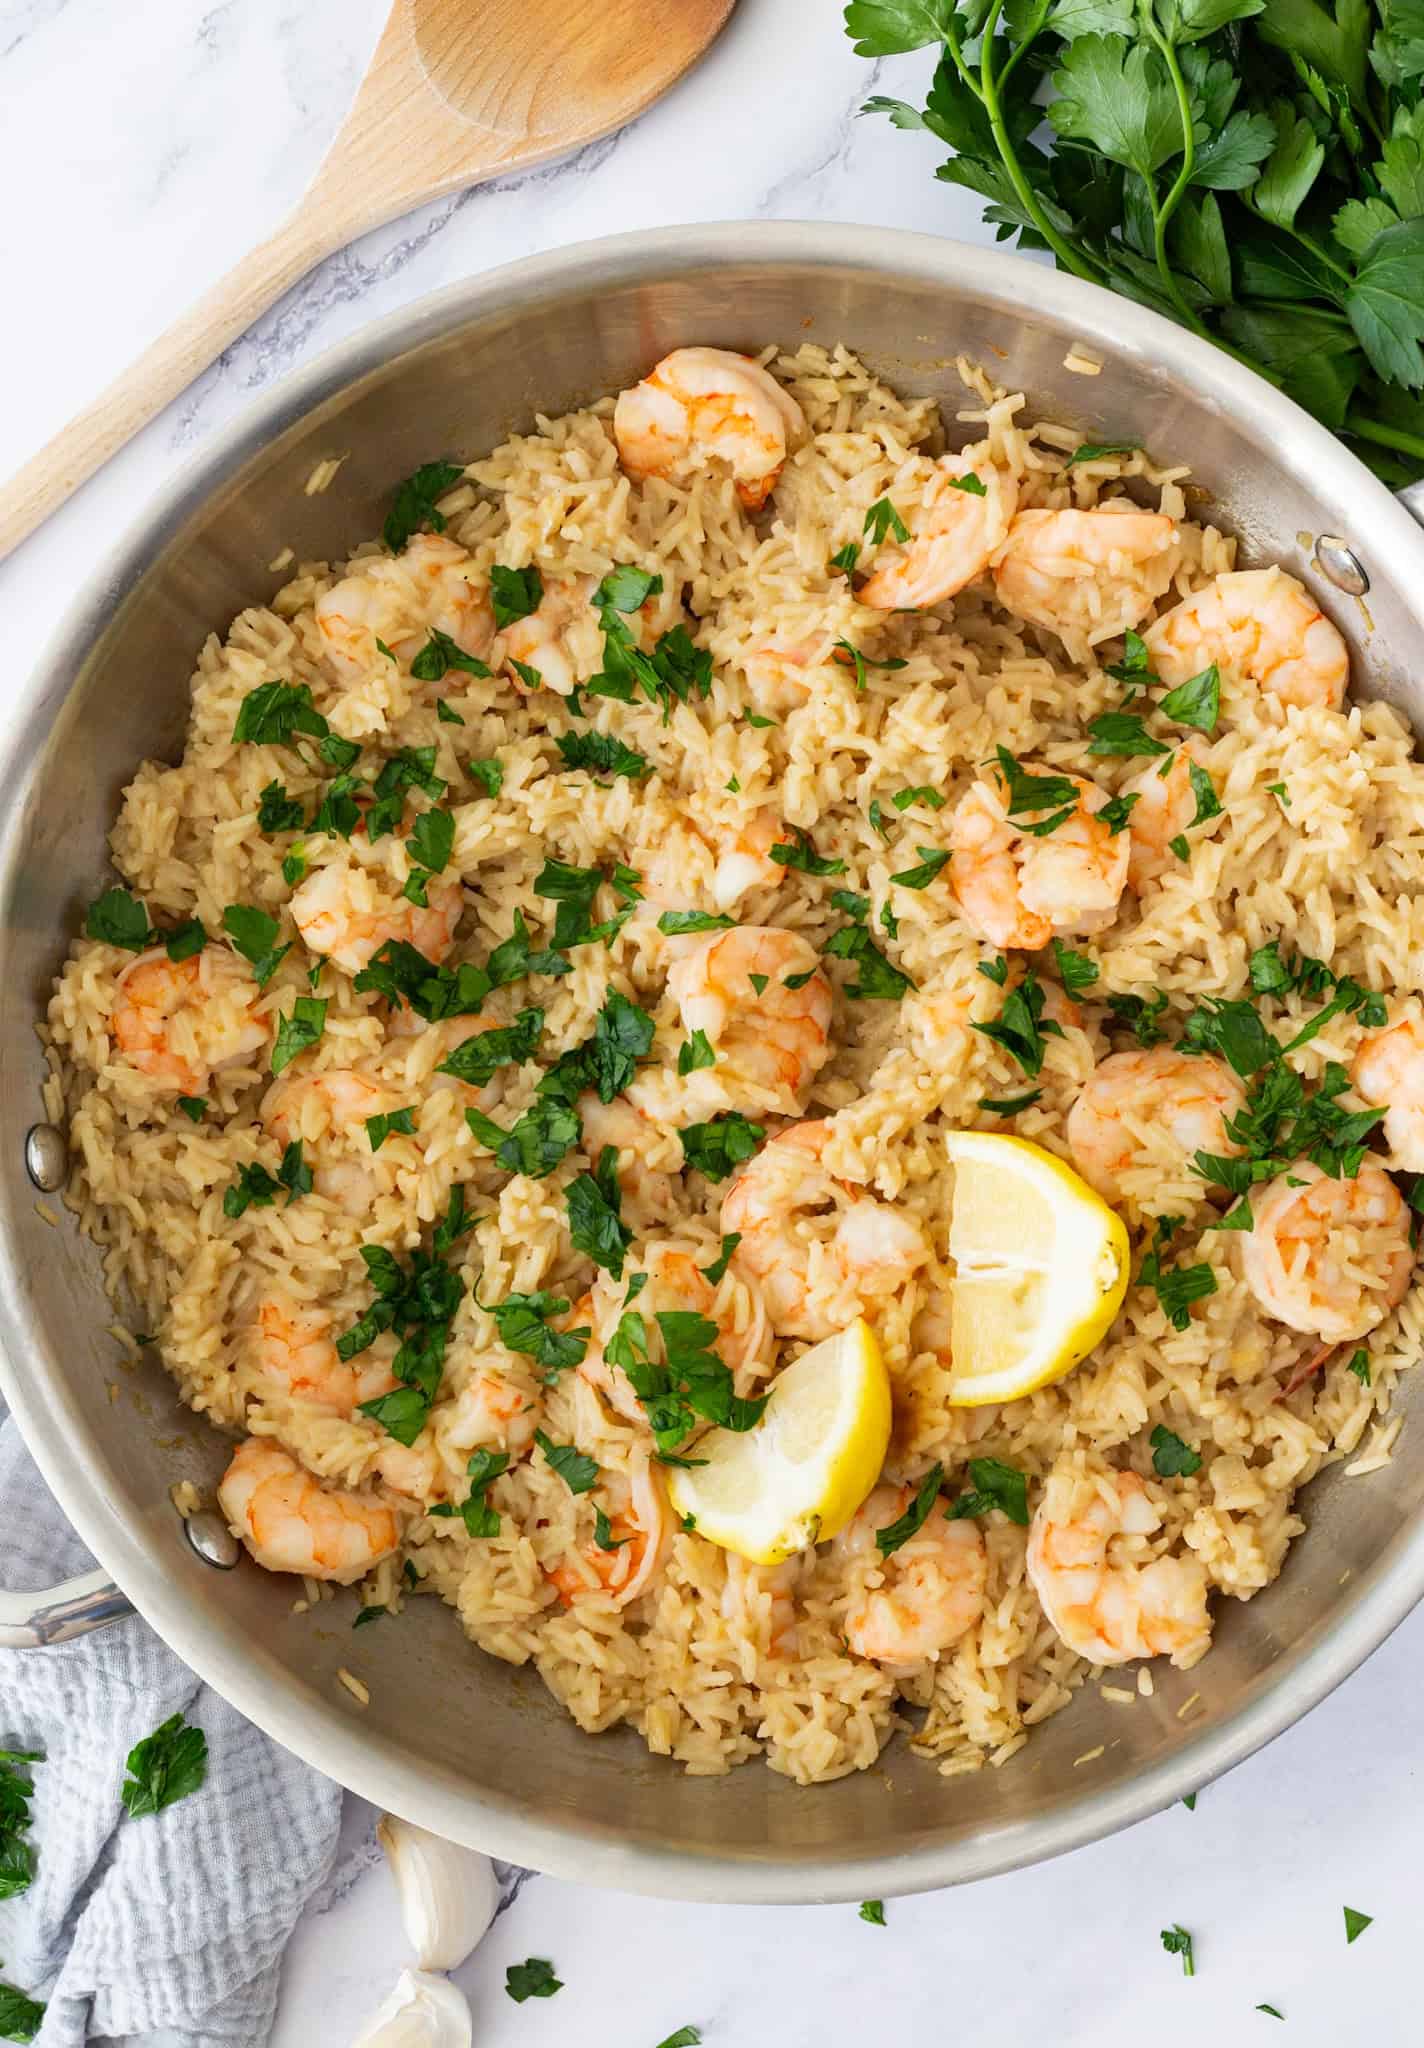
[[422, 2012], [447, 1894]]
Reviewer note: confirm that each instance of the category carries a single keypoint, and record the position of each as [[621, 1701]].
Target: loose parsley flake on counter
[[1171, 1458], [873, 1910], [118, 919], [882, 518], [413, 505], [17, 1859], [1178, 1942], [578, 1471], [1355, 1924], [533, 1979], [164, 1768], [715, 1148]]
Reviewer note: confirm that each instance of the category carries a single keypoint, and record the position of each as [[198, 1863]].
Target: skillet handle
[[56, 1614]]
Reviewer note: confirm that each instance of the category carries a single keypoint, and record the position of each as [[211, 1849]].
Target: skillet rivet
[[212, 1539], [46, 1157], [1337, 560]]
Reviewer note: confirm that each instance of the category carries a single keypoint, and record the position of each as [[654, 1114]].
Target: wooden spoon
[[458, 91]]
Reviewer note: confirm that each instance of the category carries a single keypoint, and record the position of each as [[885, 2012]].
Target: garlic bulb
[[447, 1894], [422, 2012]]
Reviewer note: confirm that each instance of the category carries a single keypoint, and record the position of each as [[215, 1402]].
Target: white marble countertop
[[142, 150]]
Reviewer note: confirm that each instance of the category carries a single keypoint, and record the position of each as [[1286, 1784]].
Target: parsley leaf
[[1196, 702], [278, 812], [845, 558], [1020, 1027], [254, 1188], [712, 1274], [1171, 1458], [194, 1107], [878, 980], [920, 793], [715, 1148], [932, 859], [413, 505], [254, 934], [695, 1053], [1122, 732], [602, 754], [437, 657], [803, 855], [523, 1324], [299, 1031], [532, 1979], [399, 1121], [578, 1472], [1075, 970], [273, 713], [1178, 1942], [478, 1058], [894, 1534], [118, 919], [596, 1225], [672, 923], [164, 1768], [993, 1485], [20, 2017]]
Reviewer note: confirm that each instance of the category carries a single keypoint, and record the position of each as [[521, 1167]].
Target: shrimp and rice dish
[[550, 995]]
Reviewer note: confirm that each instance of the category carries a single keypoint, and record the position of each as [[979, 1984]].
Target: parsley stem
[[951, 43], [1308, 242], [1032, 29], [1069, 257], [1162, 215], [1384, 436]]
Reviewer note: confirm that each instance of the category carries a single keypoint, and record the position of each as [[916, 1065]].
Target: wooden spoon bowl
[[458, 91]]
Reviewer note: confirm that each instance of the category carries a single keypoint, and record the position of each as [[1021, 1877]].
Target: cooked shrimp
[[328, 1112], [822, 1251], [924, 1596], [178, 1021], [493, 1410], [1165, 808], [1104, 1595], [1330, 1257], [648, 1193], [1133, 1100], [641, 1527], [1088, 574], [712, 861], [677, 1284], [760, 1602], [706, 402], [1260, 625], [778, 674], [398, 599], [290, 1522], [951, 539], [342, 911], [771, 1040], [1388, 1071], [1016, 889], [561, 638], [293, 1349]]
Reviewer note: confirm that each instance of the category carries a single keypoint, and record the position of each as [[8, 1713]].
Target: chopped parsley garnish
[[877, 817], [603, 1536], [489, 773], [1009, 1105], [921, 793], [992, 1485], [437, 657], [478, 1058], [1020, 1027], [712, 1274], [882, 518], [759, 982], [932, 859], [1140, 1014], [1178, 1942], [337, 752], [1355, 1924], [278, 812], [411, 768], [539, 1141], [854, 657], [715, 1148], [995, 970], [299, 1031], [607, 1061], [293, 1174], [1135, 668], [430, 844], [1189, 1800], [338, 812], [1171, 1458], [1359, 1365], [1176, 1287], [1075, 970], [1116, 812], [578, 1471], [118, 919], [755, 718], [1280, 792], [164, 1768], [399, 1121], [185, 940], [845, 558], [873, 1910], [194, 1107], [1025, 794], [534, 1979], [446, 712], [573, 889], [968, 482], [803, 855], [254, 1188], [523, 1324], [602, 754], [852, 904], [413, 505], [366, 1615], [671, 673], [894, 1534], [271, 714], [1196, 702], [254, 934], [418, 1302], [695, 1053], [596, 1224], [878, 980], [672, 923], [1094, 451], [692, 1383], [453, 1224], [1122, 732]]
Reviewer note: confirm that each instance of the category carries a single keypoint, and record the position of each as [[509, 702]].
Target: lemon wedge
[[1041, 1267], [801, 1472]]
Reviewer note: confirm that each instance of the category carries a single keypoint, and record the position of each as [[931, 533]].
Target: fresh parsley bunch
[[1254, 169]]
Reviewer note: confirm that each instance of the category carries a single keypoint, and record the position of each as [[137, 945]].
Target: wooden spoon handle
[[162, 372]]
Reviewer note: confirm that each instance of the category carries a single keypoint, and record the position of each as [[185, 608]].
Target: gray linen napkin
[[175, 1922]]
